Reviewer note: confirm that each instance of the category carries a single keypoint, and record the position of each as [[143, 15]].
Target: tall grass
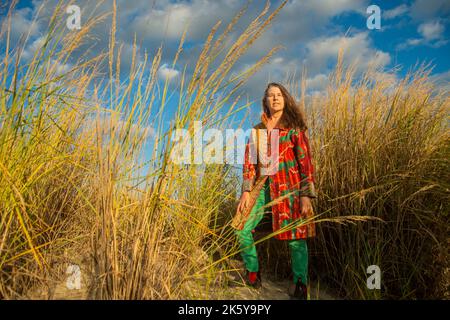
[[74, 185], [382, 149]]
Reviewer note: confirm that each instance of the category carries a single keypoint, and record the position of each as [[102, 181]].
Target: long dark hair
[[293, 116]]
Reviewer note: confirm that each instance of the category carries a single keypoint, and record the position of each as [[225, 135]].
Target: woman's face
[[275, 100]]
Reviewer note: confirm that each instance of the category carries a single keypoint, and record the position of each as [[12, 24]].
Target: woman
[[292, 179]]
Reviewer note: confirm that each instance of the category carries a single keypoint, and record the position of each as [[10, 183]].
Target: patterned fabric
[[293, 179]]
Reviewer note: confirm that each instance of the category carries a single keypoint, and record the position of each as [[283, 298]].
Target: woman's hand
[[244, 201], [306, 206]]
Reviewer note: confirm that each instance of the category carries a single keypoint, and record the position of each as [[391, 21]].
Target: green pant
[[298, 248]]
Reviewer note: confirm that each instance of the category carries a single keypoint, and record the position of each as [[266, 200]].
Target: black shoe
[[255, 284], [298, 291]]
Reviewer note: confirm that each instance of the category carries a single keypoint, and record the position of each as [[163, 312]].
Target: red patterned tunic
[[294, 178]]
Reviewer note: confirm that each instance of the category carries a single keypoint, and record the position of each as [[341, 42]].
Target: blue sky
[[404, 23], [410, 30], [311, 32]]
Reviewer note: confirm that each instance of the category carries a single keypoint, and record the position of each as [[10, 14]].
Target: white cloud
[[431, 30], [395, 12], [331, 8], [278, 60], [319, 58], [22, 23], [442, 80], [36, 45], [57, 66], [170, 20], [164, 72], [301, 21], [357, 48], [432, 33], [61, 68], [414, 42], [317, 83], [389, 78], [23, 29]]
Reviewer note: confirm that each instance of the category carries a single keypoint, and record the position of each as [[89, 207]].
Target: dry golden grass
[[70, 158], [382, 150]]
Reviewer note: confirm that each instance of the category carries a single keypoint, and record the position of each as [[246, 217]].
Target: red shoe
[[253, 279]]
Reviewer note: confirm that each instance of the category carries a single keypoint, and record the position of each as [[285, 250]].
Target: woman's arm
[[303, 156]]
